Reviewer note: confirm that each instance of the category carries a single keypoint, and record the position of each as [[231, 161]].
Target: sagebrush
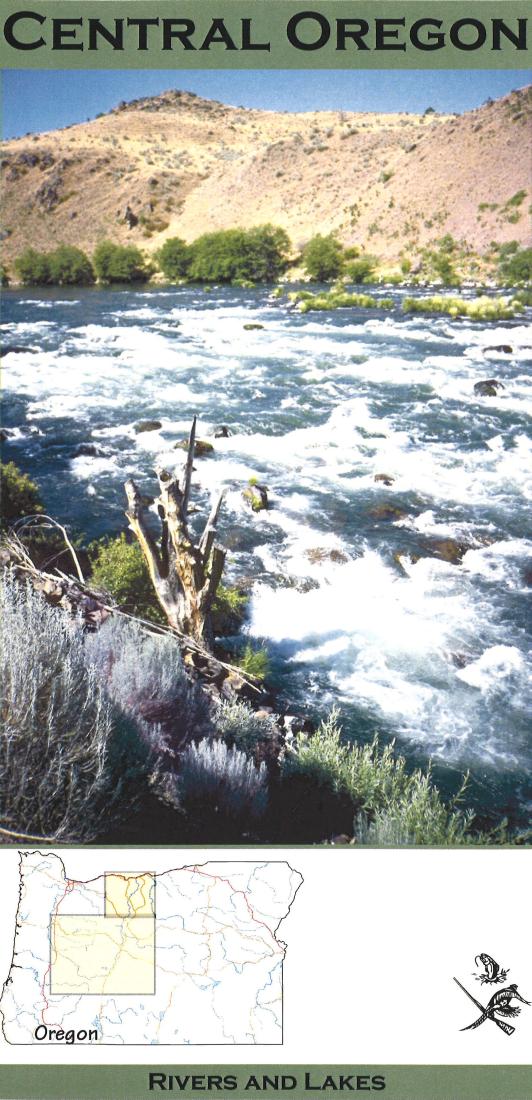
[[71, 764], [223, 779], [145, 677], [239, 725]]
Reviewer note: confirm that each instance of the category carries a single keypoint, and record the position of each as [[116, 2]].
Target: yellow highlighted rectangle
[[129, 895], [92, 954]]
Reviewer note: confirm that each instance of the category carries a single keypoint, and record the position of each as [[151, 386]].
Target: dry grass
[[193, 165]]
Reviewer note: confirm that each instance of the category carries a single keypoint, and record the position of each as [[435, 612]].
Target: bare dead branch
[[135, 515], [39, 519], [188, 467], [210, 527], [185, 575], [27, 836], [217, 563]]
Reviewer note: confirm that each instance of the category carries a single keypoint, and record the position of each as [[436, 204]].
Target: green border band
[[267, 22], [400, 1082]]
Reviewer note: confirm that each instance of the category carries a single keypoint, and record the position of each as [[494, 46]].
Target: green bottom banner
[[67, 1082]]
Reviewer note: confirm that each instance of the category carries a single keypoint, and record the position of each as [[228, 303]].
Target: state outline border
[[170, 870]]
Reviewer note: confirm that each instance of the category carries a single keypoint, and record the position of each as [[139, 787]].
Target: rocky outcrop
[[130, 218], [49, 194]]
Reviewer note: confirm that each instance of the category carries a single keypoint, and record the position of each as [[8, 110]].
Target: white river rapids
[[350, 596]]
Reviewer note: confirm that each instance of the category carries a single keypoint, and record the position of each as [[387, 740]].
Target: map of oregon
[[188, 955]]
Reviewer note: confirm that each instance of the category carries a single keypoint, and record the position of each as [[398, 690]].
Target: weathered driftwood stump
[[185, 576]]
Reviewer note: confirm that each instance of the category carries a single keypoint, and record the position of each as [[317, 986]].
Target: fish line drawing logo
[[500, 1003], [493, 973]]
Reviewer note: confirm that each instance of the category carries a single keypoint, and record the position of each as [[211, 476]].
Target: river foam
[[375, 449]]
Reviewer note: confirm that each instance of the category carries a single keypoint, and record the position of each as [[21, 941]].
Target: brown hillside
[[184, 165]]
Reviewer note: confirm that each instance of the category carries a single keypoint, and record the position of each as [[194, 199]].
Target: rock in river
[[319, 553], [448, 550], [387, 512], [147, 426], [201, 447], [90, 450], [256, 496], [15, 349], [489, 387]]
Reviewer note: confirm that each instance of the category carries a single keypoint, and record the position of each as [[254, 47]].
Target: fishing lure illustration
[[498, 1005], [493, 973]]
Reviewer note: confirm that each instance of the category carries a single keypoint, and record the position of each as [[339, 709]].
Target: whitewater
[[350, 589]]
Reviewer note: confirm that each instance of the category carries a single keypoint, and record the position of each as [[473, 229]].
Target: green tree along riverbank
[[265, 254], [112, 710]]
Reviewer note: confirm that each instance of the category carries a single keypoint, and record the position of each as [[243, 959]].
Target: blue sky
[[44, 100]]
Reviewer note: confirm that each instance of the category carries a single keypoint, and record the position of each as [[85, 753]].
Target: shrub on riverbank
[[323, 257], [174, 259], [478, 309], [228, 609], [70, 763], [239, 255], [70, 266], [439, 261], [119, 568], [20, 495], [65, 266], [144, 676], [239, 725], [524, 296], [361, 268], [516, 268], [220, 780], [32, 268], [20, 498], [115, 263], [254, 662], [373, 787]]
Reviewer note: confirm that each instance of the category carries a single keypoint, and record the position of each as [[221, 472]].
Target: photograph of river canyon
[[265, 546]]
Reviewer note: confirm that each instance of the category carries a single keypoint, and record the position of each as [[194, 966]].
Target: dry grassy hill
[[184, 165]]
